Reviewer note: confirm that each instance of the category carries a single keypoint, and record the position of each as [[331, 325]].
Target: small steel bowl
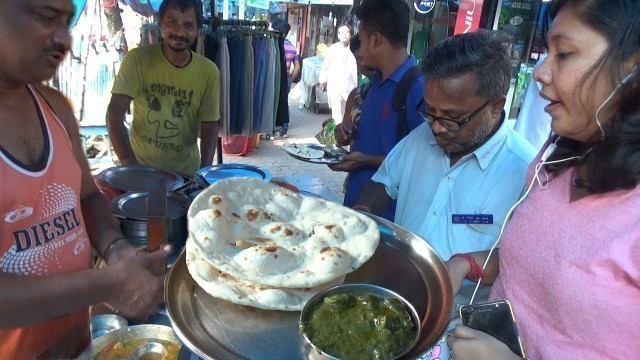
[[151, 350], [102, 324], [150, 332], [334, 151], [355, 288]]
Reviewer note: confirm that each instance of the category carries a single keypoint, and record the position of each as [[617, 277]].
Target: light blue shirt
[[430, 193]]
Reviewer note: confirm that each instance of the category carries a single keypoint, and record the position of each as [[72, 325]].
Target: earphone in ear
[[625, 80], [634, 72]]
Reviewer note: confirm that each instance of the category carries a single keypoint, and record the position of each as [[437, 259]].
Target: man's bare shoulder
[[60, 104], [53, 95]]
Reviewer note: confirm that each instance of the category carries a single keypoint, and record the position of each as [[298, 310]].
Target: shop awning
[[321, 2], [331, 2], [79, 4]]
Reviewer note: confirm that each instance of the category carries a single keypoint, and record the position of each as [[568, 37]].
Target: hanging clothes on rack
[[279, 58], [222, 60], [267, 117], [247, 56], [259, 57], [248, 75], [236, 66]]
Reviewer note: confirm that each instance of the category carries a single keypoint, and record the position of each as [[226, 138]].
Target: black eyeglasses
[[449, 124]]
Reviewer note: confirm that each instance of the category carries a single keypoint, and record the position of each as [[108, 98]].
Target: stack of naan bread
[[256, 243]]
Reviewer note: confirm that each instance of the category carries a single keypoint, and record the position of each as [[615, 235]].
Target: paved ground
[[303, 126]]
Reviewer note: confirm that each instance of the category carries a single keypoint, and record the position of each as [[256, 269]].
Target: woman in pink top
[[569, 260]]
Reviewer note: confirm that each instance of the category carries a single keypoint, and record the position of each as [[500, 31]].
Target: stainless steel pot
[[131, 210], [119, 180]]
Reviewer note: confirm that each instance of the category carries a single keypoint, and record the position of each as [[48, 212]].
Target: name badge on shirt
[[472, 218]]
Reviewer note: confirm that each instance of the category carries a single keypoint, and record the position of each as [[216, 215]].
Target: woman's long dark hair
[[613, 162]]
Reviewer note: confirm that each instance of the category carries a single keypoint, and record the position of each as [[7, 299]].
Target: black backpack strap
[[399, 99], [365, 89]]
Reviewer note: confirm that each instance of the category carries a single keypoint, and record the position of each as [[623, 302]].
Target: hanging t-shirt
[[169, 104], [42, 233]]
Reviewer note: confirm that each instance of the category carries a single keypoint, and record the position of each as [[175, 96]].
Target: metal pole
[[241, 8], [225, 9]]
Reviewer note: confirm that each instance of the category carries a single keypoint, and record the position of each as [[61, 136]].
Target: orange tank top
[[42, 233]]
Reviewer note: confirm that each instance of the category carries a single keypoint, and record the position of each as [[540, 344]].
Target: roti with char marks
[[227, 287], [266, 234]]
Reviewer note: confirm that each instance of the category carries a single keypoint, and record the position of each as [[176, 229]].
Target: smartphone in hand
[[496, 319]]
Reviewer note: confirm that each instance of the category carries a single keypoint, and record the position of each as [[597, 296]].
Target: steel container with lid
[[118, 180], [131, 210]]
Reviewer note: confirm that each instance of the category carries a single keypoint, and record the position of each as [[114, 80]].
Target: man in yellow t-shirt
[[175, 94]]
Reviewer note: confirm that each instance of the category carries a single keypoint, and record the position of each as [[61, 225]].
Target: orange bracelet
[[476, 272], [361, 207]]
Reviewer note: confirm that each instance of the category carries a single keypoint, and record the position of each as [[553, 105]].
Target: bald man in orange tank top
[[51, 213]]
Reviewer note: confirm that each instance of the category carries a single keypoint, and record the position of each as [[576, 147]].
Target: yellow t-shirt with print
[[169, 103]]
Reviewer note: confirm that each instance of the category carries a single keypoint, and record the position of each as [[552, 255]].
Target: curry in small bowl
[[360, 322], [143, 342]]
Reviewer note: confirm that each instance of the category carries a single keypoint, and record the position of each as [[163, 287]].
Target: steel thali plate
[[137, 178], [326, 159], [217, 329], [134, 205]]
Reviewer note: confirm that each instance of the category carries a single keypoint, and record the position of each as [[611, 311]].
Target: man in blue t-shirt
[[384, 28], [456, 176]]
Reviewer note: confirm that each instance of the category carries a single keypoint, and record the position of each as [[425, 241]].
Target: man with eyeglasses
[[456, 176]]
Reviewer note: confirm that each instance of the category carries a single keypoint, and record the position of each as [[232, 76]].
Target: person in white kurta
[[339, 74], [533, 122]]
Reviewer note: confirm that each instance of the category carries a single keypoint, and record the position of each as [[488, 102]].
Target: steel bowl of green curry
[[359, 322]]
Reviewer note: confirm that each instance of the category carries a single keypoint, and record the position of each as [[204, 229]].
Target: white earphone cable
[[535, 178], [626, 79], [601, 107], [548, 151]]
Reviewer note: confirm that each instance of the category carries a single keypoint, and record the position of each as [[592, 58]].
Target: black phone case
[[495, 319]]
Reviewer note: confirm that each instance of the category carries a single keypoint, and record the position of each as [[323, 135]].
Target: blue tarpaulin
[[155, 4], [144, 7], [80, 4]]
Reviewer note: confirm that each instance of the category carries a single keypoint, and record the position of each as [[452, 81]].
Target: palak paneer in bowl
[[360, 322]]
